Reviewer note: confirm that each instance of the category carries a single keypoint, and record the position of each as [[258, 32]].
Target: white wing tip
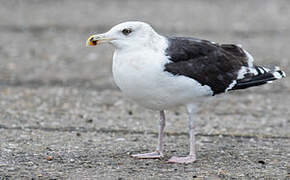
[[278, 74]]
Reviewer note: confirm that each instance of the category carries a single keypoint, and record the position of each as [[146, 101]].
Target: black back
[[208, 63]]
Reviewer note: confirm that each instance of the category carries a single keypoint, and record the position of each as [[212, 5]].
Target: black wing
[[208, 63]]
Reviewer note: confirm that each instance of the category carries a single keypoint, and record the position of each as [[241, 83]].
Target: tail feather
[[262, 76]]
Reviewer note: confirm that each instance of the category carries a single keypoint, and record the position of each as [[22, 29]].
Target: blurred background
[[61, 115], [43, 42]]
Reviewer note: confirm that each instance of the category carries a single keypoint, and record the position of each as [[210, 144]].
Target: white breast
[[141, 77]]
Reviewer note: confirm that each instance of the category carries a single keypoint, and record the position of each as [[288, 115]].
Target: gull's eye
[[126, 31]]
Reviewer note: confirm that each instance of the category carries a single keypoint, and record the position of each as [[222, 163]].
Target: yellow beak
[[97, 39]]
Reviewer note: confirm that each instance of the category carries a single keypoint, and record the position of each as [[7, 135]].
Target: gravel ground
[[62, 117]]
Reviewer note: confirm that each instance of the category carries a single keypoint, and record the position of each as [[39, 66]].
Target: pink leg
[[192, 156], [159, 151]]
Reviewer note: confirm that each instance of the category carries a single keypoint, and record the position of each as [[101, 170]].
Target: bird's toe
[[152, 155], [182, 160]]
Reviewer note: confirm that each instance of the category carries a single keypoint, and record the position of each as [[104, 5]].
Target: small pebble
[[49, 158], [89, 120], [81, 116], [261, 162], [130, 112]]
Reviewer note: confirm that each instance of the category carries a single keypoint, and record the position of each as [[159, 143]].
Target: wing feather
[[208, 63]]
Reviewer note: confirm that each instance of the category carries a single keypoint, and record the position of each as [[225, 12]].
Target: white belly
[[144, 81]]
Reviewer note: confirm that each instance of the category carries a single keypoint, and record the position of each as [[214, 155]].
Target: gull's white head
[[132, 34]]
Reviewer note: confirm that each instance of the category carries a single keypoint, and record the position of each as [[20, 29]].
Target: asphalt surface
[[62, 117]]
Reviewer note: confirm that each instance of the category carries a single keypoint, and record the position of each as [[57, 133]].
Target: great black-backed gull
[[160, 72]]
